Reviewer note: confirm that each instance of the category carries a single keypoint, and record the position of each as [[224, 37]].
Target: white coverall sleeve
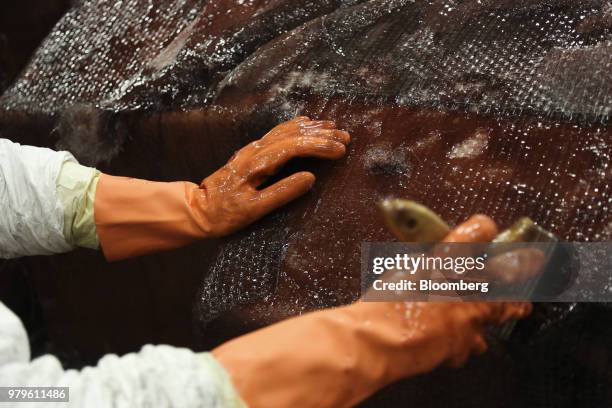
[[32, 216], [157, 376]]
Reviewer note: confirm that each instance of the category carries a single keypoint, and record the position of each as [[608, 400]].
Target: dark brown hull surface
[[500, 107]]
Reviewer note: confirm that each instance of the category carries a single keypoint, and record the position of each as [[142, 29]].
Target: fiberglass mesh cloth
[[508, 57], [151, 54], [97, 47], [551, 59]]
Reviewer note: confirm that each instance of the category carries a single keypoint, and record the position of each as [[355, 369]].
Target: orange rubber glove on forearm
[[135, 217], [339, 357]]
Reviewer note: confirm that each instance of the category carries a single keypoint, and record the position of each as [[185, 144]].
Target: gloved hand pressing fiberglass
[[134, 217], [339, 357], [52, 204]]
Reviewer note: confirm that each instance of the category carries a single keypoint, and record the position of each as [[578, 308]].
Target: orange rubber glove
[[339, 357], [135, 217]]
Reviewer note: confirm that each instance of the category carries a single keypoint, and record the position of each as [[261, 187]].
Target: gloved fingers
[[319, 124], [282, 192], [286, 128], [298, 120], [478, 228], [275, 156], [333, 134], [302, 126]]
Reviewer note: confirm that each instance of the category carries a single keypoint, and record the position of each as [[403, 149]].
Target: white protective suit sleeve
[[47, 207], [157, 376], [32, 216]]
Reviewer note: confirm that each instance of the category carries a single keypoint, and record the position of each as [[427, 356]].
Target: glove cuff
[[135, 217]]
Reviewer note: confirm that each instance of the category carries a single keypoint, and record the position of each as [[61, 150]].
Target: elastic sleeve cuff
[[76, 190]]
